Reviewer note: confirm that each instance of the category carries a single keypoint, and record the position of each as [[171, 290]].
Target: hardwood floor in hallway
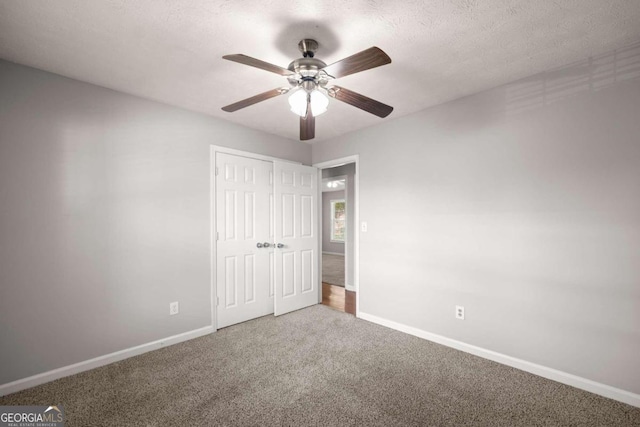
[[339, 298]]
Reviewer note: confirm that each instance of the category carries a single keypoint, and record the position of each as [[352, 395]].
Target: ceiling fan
[[308, 78]]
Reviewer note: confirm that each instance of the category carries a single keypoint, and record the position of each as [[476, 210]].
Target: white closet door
[[296, 236], [244, 271]]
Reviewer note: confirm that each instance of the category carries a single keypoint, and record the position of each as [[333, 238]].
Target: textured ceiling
[[171, 50]]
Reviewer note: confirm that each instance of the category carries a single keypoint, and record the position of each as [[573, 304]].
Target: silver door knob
[[279, 246], [259, 245], [266, 245]]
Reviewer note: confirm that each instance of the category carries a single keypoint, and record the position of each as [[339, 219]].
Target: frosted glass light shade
[[298, 102], [319, 103]]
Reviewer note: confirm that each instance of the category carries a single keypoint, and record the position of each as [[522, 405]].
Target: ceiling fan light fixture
[[298, 103]]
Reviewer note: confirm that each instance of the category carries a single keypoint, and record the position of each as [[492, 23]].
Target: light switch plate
[[174, 308], [363, 226]]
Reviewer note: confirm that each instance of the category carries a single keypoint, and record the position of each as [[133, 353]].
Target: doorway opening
[[338, 225]]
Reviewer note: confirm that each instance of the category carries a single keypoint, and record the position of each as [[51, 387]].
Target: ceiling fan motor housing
[[307, 73], [307, 67]]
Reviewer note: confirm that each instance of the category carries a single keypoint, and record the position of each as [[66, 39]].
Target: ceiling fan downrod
[[308, 47]]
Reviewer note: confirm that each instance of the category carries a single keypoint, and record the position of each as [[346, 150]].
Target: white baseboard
[[543, 371], [332, 253], [65, 371]]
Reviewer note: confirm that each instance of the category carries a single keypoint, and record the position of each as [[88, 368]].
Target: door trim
[[213, 150], [356, 233]]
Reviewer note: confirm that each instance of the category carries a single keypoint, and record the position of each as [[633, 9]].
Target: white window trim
[[333, 215]]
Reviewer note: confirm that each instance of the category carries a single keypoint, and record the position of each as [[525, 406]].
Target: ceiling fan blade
[[360, 101], [307, 128], [253, 62], [365, 60], [255, 99]]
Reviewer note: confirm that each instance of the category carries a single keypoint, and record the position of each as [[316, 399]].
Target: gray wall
[[104, 218], [348, 170], [327, 244], [521, 204]]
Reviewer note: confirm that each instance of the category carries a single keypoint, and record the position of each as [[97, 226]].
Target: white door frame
[[213, 150], [356, 221]]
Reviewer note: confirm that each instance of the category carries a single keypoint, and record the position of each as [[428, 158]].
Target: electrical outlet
[[459, 312], [174, 308], [363, 226]]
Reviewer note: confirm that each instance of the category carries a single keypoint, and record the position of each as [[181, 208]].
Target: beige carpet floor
[[318, 367], [333, 269]]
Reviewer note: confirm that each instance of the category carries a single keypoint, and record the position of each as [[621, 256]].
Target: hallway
[[339, 298]]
